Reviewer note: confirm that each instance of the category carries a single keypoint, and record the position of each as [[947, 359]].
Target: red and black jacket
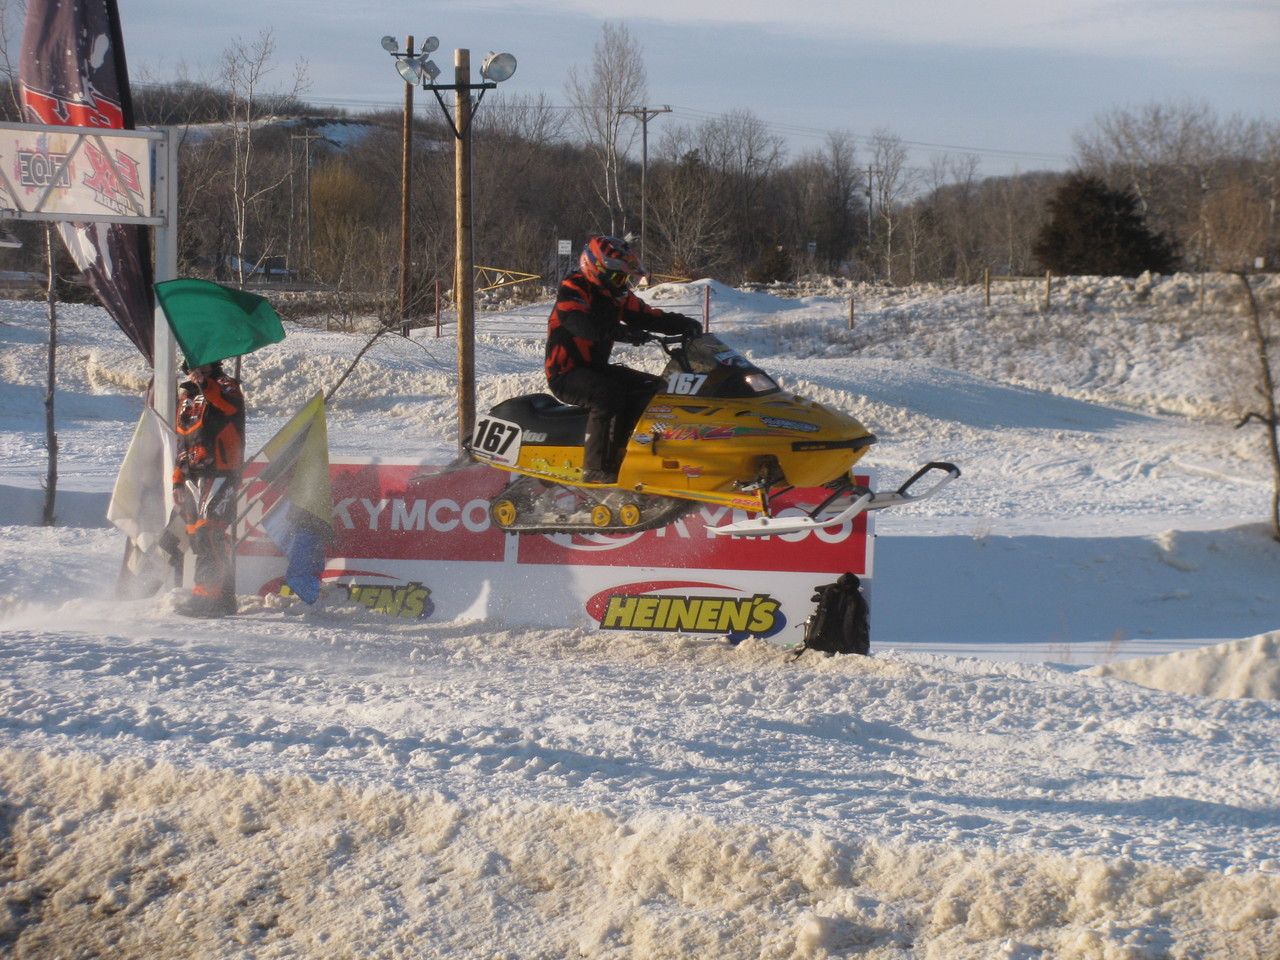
[[586, 320]]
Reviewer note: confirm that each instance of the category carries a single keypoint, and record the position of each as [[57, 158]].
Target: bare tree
[[891, 182], [745, 158], [689, 229], [529, 119], [522, 178], [825, 202], [953, 242], [1236, 221], [348, 234], [1265, 386], [615, 80], [1010, 213], [245, 68]]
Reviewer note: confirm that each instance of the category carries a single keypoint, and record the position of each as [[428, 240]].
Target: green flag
[[212, 322]]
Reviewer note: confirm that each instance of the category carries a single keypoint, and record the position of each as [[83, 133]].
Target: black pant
[[615, 396], [208, 506]]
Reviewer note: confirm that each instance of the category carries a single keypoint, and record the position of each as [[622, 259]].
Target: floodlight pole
[[464, 277], [406, 194], [464, 284], [496, 67]]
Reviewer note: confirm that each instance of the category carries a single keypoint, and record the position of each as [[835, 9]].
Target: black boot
[[598, 464], [205, 606]]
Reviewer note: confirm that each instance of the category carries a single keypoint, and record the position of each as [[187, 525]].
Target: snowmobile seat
[[544, 420]]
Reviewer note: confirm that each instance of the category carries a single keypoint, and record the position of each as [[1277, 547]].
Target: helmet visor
[[619, 279]]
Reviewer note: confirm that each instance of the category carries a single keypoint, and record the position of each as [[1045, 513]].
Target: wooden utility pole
[[464, 269], [644, 115], [306, 138], [406, 193]]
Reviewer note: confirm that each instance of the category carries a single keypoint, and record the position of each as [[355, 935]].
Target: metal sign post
[[564, 254]]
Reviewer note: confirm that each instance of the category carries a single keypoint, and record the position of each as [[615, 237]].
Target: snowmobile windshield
[[710, 368]]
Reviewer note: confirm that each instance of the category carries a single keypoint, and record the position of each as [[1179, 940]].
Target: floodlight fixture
[[410, 68], [498, 67], [416, 70]]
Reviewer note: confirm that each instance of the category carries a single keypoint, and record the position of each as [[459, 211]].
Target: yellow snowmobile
[[718, 431]]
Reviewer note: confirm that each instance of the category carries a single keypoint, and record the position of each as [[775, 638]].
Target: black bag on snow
[[839, 624]]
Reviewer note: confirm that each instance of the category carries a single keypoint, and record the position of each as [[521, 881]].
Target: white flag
[[142, 500]]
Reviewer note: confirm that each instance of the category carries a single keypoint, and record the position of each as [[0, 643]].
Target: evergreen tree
[[1095, 230], [774, 265]]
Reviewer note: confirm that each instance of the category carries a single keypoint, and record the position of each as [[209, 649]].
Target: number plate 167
[[496, 440]]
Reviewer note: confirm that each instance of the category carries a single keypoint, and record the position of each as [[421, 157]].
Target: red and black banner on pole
[[73, 73]]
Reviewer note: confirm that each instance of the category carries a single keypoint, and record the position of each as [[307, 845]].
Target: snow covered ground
[[1065, 744]]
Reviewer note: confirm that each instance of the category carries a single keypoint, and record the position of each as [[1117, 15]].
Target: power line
[[697, 115], [793, 129], [692, 113]]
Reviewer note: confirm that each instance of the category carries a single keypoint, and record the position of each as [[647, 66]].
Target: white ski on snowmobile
[[863, 500]]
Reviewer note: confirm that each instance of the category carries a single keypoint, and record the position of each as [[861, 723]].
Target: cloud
[[1239, 32]]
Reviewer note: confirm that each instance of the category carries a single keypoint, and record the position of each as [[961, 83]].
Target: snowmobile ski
[[862, 500]]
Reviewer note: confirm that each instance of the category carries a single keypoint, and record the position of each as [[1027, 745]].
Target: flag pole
[[165, 394], [164, 367]]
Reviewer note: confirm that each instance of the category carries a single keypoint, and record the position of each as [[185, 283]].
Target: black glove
[[632, 335], [690, 327]]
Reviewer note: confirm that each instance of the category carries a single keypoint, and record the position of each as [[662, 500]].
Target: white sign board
[[80, 174]]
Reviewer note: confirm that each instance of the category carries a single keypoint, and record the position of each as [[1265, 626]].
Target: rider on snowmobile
[[596, 307]]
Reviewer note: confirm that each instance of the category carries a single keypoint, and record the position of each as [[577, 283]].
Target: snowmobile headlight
[[759, 382]]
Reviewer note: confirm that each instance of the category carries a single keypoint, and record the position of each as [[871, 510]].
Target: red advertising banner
[[417, 542], [689, 542], [381, 510]]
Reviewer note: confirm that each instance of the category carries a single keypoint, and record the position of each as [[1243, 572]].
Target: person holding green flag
[[211, 323], [210, 426]]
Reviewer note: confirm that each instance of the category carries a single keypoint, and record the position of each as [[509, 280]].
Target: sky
[[1009, 82]]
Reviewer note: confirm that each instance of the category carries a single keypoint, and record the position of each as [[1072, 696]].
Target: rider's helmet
[[611, 264]]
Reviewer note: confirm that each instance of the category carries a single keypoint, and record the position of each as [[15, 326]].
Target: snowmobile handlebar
[[673, 344], [637, 337]]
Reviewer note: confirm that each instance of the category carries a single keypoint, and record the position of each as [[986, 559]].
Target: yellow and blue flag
[[300, 521]]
